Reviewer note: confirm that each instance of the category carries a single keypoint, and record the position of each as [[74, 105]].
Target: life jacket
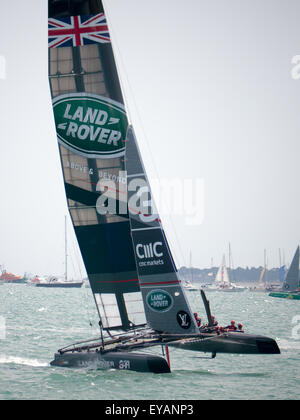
[[232, 328]]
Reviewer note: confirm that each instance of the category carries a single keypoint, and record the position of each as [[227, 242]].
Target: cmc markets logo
[[150, 250], [159, 301], [90, 125]]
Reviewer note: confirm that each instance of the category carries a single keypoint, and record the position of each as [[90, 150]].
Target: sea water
[[35, 322]]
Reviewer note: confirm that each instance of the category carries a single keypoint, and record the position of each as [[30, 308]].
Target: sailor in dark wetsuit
[[240, 328], [232, 327], [214, 328], [198, 320], [214, 321]]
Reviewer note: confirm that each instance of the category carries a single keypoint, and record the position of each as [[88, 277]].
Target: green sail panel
[[91, 125]]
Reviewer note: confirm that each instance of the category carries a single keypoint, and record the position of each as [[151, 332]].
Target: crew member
[[198, 320], [214, 321], [232, 327], [240, 328]]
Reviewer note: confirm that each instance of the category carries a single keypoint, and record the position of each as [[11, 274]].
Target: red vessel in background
[[7, 277]]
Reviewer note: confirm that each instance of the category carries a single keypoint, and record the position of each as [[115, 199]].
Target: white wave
[[288, 344], [21, 361]]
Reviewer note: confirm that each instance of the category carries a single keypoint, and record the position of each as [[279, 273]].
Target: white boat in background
[[54, 281], [222, 281], [209, 288], [189, 284]]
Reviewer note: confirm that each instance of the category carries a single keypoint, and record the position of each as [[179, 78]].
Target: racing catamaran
[[139, 297]]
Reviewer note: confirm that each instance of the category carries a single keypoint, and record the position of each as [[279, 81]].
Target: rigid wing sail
[[91, 125], [134, 281]]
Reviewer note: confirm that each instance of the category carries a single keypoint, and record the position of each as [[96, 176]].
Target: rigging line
[[72, 262], [78, 259], [76, 256], [112, 34], [86, 302], [140, 120], [69, 238]]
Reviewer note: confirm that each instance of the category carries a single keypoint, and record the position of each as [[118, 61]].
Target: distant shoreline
[[237, 275]]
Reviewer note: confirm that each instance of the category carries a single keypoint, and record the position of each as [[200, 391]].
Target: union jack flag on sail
[[75, 31]]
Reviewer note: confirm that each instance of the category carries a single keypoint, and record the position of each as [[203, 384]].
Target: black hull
[[112, 360], [234, 343], [60, 285]]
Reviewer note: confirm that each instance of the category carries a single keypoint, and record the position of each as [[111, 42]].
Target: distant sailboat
[[290, 288], [222, 277], [53, 281], [189, 284], [261, 285], [261, 278], [222, 281]]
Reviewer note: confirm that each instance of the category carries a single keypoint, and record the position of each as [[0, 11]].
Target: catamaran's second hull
[[234, 343], [286, 295], [112, 360]]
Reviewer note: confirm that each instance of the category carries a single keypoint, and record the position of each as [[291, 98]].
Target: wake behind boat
[[139, 297]]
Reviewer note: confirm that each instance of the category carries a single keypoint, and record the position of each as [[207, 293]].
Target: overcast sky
[[210, 91]]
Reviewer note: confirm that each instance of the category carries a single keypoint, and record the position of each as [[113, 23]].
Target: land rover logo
[[159, 301], [90, 125]]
